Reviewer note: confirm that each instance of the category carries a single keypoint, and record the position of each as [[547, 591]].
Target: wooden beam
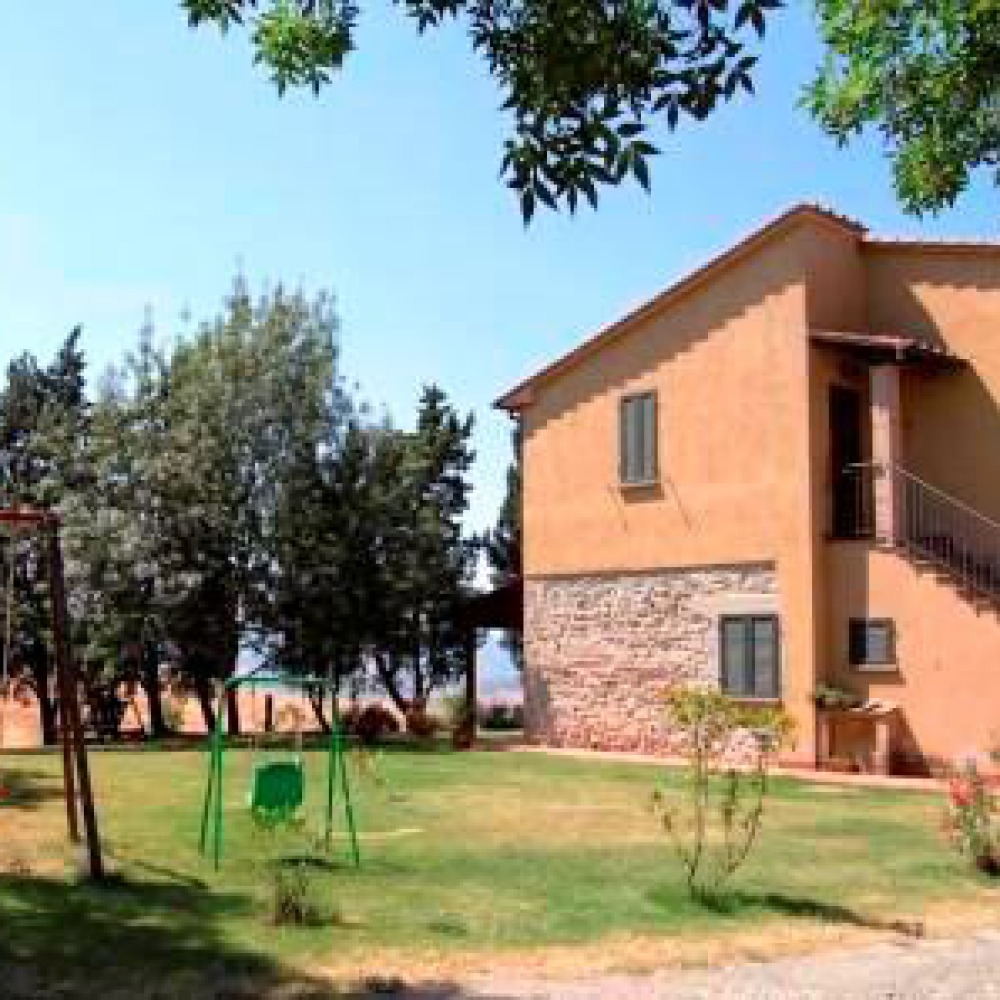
[[70, 703]]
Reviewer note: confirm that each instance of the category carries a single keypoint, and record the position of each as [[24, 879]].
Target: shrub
[[728, 748], [501, 716], [420, 722], [971, 819], [370, 724], [173, 712], [294, 899], [291, 879]]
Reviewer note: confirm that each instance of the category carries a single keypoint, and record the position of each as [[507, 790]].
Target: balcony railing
[[928, 523]]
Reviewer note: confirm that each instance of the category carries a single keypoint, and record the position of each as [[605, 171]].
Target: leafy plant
[[926, 74], [728, 748], [173, 712], [501, 715], [371, 723], [835, 696], [292, 880], [421, 723], [582, 81], [972, 819]]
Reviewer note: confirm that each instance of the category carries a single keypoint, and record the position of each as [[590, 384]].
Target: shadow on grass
[[27, 789], [140, 939], [738, 902]]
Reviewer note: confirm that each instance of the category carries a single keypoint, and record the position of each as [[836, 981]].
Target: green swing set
[[277, 789]]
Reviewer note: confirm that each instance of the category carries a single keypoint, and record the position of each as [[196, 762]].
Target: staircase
[[936, 530]]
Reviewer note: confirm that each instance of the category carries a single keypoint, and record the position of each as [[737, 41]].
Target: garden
[[467, 860]]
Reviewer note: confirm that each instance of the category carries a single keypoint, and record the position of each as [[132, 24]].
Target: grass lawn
[[466, 858]]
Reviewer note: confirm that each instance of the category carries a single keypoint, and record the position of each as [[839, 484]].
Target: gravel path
[[967, 969]]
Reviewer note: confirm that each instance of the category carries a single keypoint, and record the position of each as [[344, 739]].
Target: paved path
[[966, 969]]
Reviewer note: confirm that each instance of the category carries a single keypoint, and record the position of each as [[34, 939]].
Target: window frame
[[750, 618], [862, 663], [648, 476]]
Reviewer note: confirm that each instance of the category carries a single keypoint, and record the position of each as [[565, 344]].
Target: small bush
[[292, 882], [420, 722], [728, 748], [172, 707], [294, 897], [500, 716], [371, 723], [971, 819]]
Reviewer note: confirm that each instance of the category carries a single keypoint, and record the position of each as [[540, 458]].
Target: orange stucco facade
[[742, 375]]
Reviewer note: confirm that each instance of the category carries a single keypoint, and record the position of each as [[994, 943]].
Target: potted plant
[[833, 696]]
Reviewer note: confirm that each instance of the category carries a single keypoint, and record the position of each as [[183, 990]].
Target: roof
[[521, 394], [891, 347]]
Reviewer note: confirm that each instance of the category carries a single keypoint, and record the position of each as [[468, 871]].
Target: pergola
[[76, 769], [501, 608]]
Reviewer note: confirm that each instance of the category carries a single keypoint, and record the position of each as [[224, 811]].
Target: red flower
[[961, 792], [4, 793]]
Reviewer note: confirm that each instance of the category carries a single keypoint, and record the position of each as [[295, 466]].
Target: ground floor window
[[871, 642], [749, 657]]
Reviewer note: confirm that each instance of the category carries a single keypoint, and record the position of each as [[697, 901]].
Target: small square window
[[872, 642], [638, 439]]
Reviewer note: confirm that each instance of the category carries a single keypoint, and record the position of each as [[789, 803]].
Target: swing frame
[[336, 768], [77, 790]]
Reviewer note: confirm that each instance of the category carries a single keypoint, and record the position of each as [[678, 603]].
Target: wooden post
[[70, 706], [66, 738]]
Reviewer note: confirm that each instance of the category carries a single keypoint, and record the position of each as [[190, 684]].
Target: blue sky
[[143, 163]]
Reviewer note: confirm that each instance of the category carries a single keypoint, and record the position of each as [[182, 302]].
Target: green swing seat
[[277, 789]]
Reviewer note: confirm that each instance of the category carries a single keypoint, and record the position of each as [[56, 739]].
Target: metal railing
[[932, 526]]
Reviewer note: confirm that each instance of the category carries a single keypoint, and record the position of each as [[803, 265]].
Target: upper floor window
[[871, 642], [637, 449]]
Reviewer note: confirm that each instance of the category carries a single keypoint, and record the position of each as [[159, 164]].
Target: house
[[780, 474]]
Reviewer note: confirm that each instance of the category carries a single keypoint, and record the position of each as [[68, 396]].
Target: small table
[[880, 716]]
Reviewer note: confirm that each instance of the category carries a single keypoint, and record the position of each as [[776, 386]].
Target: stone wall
[[601, 650]]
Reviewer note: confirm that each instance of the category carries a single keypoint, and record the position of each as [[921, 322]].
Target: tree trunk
[[47, 713], [149, 675], [233, 711], [204, 692], [388, 680], [316, 701]]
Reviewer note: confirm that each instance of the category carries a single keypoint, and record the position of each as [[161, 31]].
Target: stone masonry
[[601, 650]]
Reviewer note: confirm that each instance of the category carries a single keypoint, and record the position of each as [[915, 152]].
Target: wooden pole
[[66, 668], [66, 738]]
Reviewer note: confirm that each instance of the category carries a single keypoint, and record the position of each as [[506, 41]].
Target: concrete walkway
[[946, 969], [803, 773]]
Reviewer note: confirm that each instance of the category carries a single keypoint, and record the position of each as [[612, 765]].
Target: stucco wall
[[729, 363], [947, 650], [951, 421], [600, 651]]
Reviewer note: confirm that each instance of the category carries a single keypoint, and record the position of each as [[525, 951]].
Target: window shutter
[[637, 439], [625, 436], [735, 661], [765, 658], [648, 406]]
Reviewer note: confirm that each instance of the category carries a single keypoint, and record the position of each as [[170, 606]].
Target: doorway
[[846, 455]]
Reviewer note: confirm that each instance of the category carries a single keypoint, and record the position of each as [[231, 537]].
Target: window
[[749, 656], [637, 450], [871, 642]]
